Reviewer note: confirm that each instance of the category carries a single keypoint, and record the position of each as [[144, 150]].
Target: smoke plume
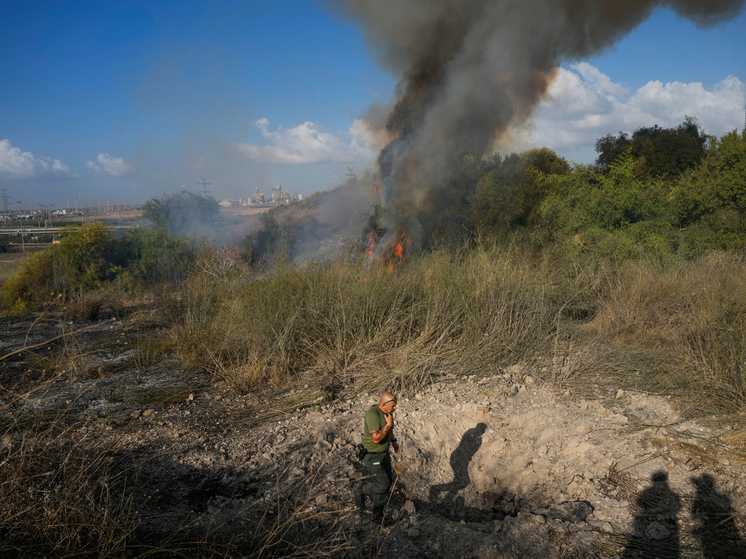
[[471, 68]]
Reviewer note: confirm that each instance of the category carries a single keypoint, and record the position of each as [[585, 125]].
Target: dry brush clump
[[715, 335], [294, 525], [365, 323], [692, 314], [62, 493], [674, 324]]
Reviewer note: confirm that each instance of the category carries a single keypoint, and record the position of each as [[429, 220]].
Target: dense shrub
[[718, 183], [267, 240], [90, 258], [31, 286], [146, 257], [622, 213], [80, 263], [82, 259]]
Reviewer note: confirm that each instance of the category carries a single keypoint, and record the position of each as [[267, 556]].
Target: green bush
[[82, 259], [31, 286], [78, 264], [90, 258], [719, 182], [147, 257], [267, 240], [702, 210]]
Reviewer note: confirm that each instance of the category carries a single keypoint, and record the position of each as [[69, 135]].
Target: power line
[[5, 201], [46, 214], [204, 184]]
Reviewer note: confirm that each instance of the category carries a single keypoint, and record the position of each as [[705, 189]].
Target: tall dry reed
[[692, 311], [368, 324]]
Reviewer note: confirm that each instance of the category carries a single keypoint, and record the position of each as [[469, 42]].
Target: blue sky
[[129, 100]]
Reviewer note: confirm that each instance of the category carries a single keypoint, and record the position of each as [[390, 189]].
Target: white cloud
[[17, 164], [112, 166], [310, 143], [583, 105]]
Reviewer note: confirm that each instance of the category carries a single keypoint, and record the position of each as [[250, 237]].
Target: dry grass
[[67, 493], [243, 373], [62, 493], [295, 526], [667, 328], [88, 306], [676, 327], [366, 324], [691, 317]]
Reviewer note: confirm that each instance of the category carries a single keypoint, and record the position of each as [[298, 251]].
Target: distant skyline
[[102, 102]]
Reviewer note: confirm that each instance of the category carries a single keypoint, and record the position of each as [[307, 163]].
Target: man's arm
[[379, 435]]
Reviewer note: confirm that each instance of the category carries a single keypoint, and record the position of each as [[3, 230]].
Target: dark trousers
[[379, 467]]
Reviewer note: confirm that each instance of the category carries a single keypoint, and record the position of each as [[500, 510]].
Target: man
[[378, 435]]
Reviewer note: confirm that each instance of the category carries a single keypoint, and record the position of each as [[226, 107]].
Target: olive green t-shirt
[[375, 419]]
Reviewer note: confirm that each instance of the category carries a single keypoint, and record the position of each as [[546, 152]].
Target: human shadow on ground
[[655, 529], [716, 529], [446, 495]]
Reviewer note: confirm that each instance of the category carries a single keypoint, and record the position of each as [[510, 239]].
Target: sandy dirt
[[498, 465]]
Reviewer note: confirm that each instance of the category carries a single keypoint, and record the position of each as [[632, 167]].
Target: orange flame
[[371, 242], [397, 251]]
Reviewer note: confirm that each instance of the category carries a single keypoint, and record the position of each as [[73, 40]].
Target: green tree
[[611, 147], [657, 151], [508, 193], [182, 212], [718, 184]]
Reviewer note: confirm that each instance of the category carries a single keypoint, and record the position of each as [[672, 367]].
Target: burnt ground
[[491, 466]]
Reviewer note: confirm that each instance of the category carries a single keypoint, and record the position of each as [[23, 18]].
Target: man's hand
[[389, 420], [396, 447]]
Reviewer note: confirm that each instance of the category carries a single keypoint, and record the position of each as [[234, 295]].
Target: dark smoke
[[472, 68]]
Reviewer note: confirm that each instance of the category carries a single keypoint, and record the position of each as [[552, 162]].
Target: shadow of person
[[716, 530], [460, 459], [656, 528]]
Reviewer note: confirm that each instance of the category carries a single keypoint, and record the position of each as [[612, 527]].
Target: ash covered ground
[[497, 465]]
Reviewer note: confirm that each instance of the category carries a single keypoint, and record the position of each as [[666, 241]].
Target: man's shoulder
[[373, 413], [373, 410]]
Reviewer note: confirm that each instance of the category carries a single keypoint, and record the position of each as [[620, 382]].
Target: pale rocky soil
[[491, 466]]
